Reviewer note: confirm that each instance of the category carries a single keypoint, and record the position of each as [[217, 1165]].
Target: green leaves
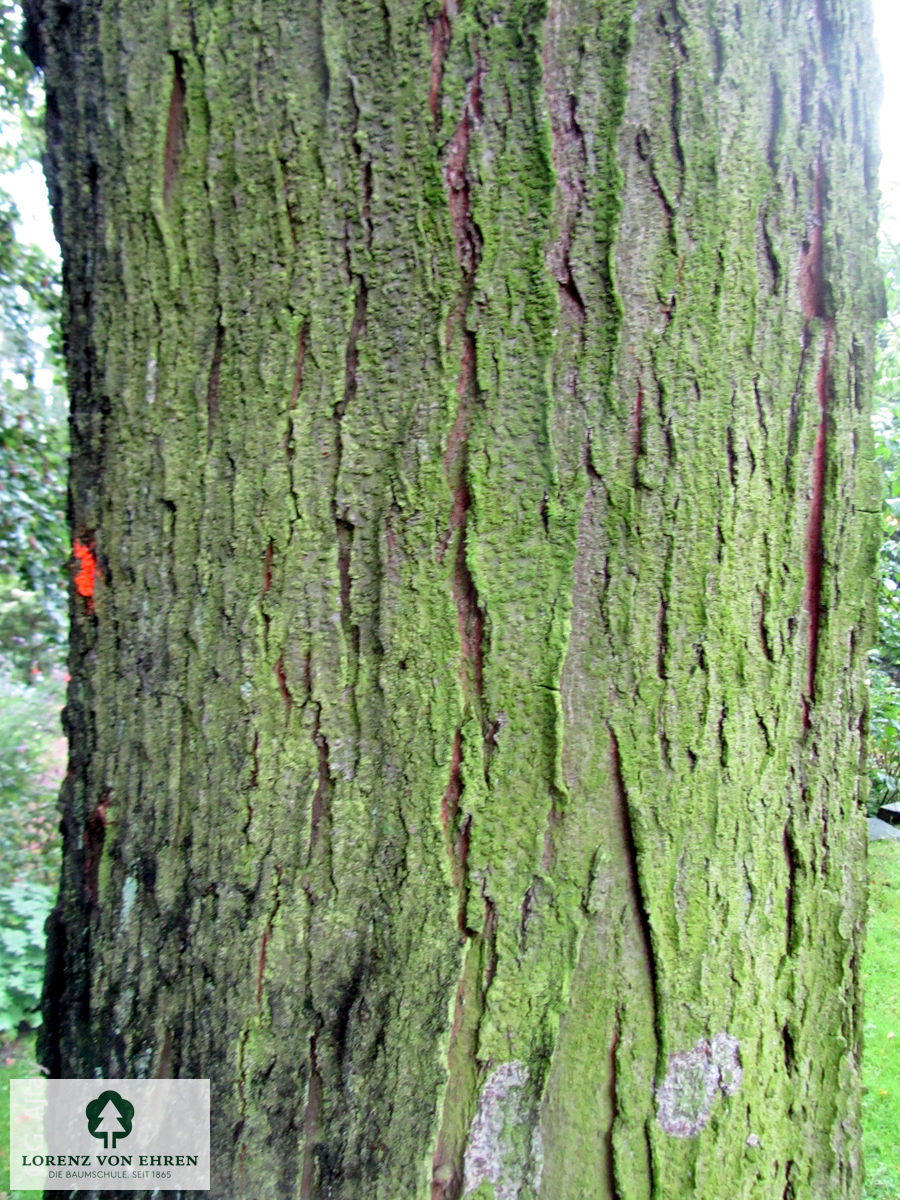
[[33, 434], [33, 551], [24, 907], [884, 677], [21, 97], [29, 843]]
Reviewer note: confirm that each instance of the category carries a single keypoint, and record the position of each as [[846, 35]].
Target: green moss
[[267, 440]]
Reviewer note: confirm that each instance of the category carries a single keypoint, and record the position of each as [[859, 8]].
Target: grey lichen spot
[[151, 379], [684, 1097], [537, 1157], [142, 1063], [693, 1079], [725, 1055], [504, 1144], [129, 891]]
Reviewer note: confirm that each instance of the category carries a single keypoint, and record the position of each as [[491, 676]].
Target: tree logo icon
[[109, 1116]]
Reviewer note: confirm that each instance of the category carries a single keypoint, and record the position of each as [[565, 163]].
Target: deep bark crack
[[480, 955], [344, 529], [320, 811], [267, 933], [174, 129], [569, 154], [286, 697], [614, 1111], [456, 835], [299, 362], [813, 302], [440, 44], [212, 391], [636, 899], [815, 549]]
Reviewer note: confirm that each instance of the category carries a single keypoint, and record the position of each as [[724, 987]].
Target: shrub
[[23, 911]]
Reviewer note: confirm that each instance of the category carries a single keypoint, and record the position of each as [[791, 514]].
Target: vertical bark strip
[[311, 1129], [471, 587], [815, 549], [812, 285], [637, 904], [174, 129], [458, 1103]]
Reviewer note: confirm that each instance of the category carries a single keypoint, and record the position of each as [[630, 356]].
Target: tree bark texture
[[473, 485]]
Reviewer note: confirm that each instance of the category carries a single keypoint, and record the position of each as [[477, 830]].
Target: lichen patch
[[504, 1145], [693, 1079], [725, 1055]]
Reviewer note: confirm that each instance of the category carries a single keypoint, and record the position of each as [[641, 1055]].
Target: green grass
[[881, 1056], [16, 1062]]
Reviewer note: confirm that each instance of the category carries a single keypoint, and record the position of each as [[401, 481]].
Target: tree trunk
[[475, 510]]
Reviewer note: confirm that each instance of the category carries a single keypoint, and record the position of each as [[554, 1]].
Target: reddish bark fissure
[[440, 44], [174, 129], [812, 278], [569, 154], [812, 298], [457, 839], [94, 839], [470, 615], [815, 549], [447, 1162]]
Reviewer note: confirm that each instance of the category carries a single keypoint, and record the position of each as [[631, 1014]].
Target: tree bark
[[467, 719]]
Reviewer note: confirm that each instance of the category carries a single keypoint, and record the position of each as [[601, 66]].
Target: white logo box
[[109, 1134]]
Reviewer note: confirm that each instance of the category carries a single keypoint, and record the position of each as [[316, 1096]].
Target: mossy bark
[[467, 716]]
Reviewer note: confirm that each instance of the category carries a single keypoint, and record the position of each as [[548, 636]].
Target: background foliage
[[33, 554], [33, 435], [884, 676]]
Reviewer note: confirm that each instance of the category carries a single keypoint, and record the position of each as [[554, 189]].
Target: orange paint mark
[[87, 569]]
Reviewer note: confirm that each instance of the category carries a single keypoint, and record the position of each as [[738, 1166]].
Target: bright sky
[[29, 192], [28, 189], [887, 33]]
